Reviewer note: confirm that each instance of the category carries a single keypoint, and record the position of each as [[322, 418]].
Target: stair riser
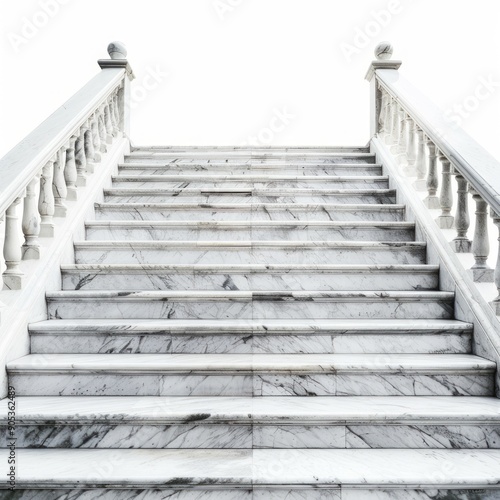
[[100, 308], [242, 233], [272, 159], [158, 280], [270, 255], [411, 343], [121, 196], [331, 183], [245, 169], [302, 493], [224, 436], [252, 214], [270, 384]]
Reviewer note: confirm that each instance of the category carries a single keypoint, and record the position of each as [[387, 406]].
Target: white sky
[[229, 71]]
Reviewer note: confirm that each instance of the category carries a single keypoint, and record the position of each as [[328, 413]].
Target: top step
[[252, 149]]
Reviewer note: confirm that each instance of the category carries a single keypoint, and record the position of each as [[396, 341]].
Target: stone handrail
[[50, 165], [418, 135]]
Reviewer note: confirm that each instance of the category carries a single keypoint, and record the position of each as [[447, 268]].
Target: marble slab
[[219, 195], [248, 252], [248, 212], [249, 304], [259, 468], [245, 337], [247, 375], [250, 277]]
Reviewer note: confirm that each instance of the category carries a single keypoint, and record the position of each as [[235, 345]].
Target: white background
[[229, 65]]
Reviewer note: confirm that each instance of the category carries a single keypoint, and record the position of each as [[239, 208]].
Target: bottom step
[[337, 470]]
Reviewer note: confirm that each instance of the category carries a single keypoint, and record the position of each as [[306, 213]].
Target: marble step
[[250, 230], [261, 474], [250, 252], [254, 149], [241, 168], [249, 212], [369, 336], [250, 305], [254, 156], [249, 277], [106, 422], [235, 182], [252, 375], [249, 195]]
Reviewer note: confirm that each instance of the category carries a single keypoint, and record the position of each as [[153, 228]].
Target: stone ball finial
[[383, 51], [117, 50]]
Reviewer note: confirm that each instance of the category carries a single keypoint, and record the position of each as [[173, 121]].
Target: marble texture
[[253, 181], [248, 168], [249, 305], [249, 195], [248, 212], [245, 230], [259, 468], [255, 374], [249, 252], [253, 277]]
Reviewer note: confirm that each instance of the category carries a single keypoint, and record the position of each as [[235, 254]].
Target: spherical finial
[[117, 50], [383, 51]]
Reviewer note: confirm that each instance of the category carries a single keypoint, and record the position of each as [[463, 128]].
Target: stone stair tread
[[251, 363], [253, 295], [229, 468], [191, 326], [254, 223], [248, 163], [254, 268], [247, 178], [251, 244], [251, 191], [253, 206], [284, 410]]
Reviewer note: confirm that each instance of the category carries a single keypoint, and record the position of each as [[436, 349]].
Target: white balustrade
[[52, 171], [416, 142]]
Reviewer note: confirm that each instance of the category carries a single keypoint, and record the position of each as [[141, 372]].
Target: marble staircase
[[253, 324]]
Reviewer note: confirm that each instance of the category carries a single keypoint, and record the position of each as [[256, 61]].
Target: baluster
[[390, 120], [381, 101], [396, 130], [114, 116], [31, 221], [445, 220], [96, 139], [420, 183], [462, 244], [89, 150], [481, 272], [403, 134], [496, 302], [70, 172], [117, 111], [59, 185], [12, 276], [81, 159], [46, 201], [102, 132], [112, 110], [432, 201], [387, 114], [411, 157], [108, 124]]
